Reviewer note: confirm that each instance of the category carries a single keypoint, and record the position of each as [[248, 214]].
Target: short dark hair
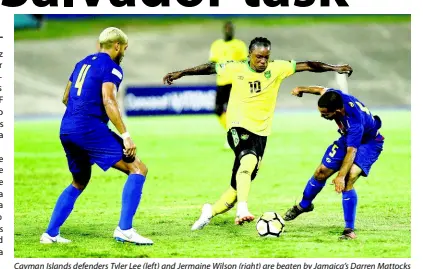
[[259, 41], [330, 100]]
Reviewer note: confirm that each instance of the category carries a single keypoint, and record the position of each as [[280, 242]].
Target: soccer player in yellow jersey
[[221, 51], [255, 85]]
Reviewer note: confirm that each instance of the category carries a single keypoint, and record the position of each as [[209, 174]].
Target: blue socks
[[62, 210], [311, 190], [349, 204], [131, 197]]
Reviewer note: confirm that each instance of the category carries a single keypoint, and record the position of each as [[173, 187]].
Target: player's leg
[[249, 149], [367, 155], [80, 167], [132, 190], [231, 195], [349, 203], [106, 150], [226, 202], [248, 162], [331, 162], [131, 197]]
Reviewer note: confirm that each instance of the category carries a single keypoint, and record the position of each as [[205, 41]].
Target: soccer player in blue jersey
[[90, 99], [352, 155]]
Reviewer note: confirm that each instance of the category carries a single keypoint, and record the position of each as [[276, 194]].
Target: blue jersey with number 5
[[85, 109], [358, 124]]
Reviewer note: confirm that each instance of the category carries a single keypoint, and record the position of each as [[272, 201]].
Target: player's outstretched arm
[[319, 67], [204, 69], [111, 106], [66, 94], [317, 90]]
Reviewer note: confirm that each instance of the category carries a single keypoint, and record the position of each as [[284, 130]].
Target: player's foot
[[348, 234], [47, 239], [205, 218], [295, 211], [243, 214], [130, 236]]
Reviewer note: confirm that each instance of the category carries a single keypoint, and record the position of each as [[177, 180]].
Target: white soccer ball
[[270, 224]]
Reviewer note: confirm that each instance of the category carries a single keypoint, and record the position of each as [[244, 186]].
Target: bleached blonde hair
[[111, 35]]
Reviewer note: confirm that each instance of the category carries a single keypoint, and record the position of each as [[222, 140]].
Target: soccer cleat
[[205, 218], [295, 211], [242, 216], [130, 236], [348, 234], [47, 239]]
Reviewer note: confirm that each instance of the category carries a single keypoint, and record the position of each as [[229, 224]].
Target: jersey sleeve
[[113, 74], [355, 127], [286, 68], [355, 135]]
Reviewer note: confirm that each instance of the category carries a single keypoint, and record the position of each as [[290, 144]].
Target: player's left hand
[[297, 92], [169, 78], [339, 184], [345, 69]]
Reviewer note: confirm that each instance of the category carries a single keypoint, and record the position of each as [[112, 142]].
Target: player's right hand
[[130, 149], [345, 69], [170, 77], [297, 92]]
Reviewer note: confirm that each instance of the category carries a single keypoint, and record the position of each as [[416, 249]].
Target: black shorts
[[244, 142], [222, 98]]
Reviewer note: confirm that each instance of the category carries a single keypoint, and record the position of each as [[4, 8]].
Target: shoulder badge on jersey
[[351, 104], [267, 74]]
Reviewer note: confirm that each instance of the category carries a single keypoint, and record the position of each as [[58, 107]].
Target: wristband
[[125, 135]]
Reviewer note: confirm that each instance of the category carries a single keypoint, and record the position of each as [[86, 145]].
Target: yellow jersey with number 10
[[253, 96]]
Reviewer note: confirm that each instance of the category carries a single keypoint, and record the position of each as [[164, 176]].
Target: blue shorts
[[367, 154], [99, 146]]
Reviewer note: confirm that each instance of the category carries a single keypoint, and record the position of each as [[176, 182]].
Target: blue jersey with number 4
[[358, 125], [85, 109]]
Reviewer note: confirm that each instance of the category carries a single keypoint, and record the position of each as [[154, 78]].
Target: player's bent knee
[[81, 179], [352, 177], [322, 173], [349, 185], [248, 163], [138, 167], [143, 169]]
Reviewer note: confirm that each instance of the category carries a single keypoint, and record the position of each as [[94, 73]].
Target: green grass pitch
[[188, 167]]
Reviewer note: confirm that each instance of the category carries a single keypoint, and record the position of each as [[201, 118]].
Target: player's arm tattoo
[[317, 90], [317, 67], [66, 94], [348, 162], [204, 69]]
